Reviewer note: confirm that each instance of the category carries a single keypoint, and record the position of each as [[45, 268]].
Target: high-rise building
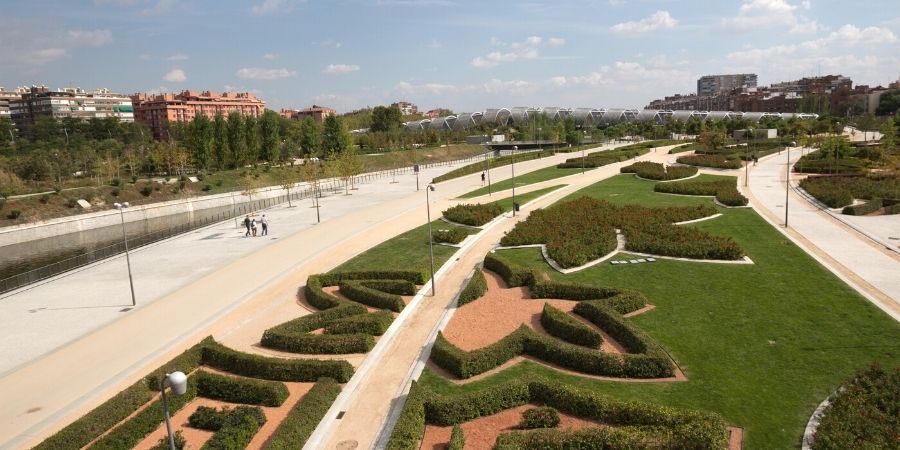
[[157, 110], [318, 113], [406, 108], [40, 101], [715, 84], [8, 96]]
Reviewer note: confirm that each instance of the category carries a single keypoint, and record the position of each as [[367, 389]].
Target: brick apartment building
[[318, 113], [40, 101], [158, 110], [406, 108]]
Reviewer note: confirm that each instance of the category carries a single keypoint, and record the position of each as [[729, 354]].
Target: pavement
[[851, 253], [74, 341]]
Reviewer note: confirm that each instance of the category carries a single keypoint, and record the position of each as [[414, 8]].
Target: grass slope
[[547, 173], [762, 344]]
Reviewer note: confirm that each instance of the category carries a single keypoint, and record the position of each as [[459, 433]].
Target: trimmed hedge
[[374, 324], [410, 426], [474, 215], [863, 209], [457, 439], [495, 162], [208, 418], [451, 236], [813, 163], [358, 291], [725, 191], [163, 443], [839, 191], [238, 429], [398, 287], [658, 171], [240, 390], [582, 439], [541, 417], [716, 161], [627, 302], [475, 288], [832, 194], [603, 158], [295, 429], [513, 274], [292, 336], [220, 357], [445, 411], [562, 326], [892, 209]]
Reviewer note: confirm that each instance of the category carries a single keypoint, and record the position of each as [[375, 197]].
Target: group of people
[[250, 224]]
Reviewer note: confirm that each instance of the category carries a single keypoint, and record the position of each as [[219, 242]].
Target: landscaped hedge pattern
[[864, 208], [457, 439], [716, 161], [374, 324], [541, 417], [223, 358], [495, 162], [295, 429], [208, 418], [725, 191], [837, 192], [240, 390], [473, 215], [359, 292], [513, 274], [475, 288], [292, 336], [813, 163], [238, 429], [658, 171], [865, 414], [445, 411], [561, 325], [582, 230], [451, 236], [603, 158]]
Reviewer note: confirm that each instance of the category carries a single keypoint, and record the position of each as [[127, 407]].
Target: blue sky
[[461, 54]]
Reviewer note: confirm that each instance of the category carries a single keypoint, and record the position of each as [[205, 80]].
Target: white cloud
[[754, 14], [660, 20], [270, 56], [528, 49], [409, 89], [88, 38], [413, 2], [846, 36], [518, 87], [328, 43], [178, 57], [175, 76], [257, 73], [25, 43], [341, 68], [267, 7], [161, 7]]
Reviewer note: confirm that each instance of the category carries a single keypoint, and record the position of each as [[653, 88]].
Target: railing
[[325, 186]]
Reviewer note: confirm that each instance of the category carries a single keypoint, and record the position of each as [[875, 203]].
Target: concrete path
[[866, 265], [81, 348]]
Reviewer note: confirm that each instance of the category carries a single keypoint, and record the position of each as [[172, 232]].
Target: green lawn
[[625, 189], [761, 344], [522, 199], [547, 173]]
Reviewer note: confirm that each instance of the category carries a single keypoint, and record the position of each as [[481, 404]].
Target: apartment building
[[318, 113], [406, 108], [40, 101], [8, 96], [715, 84], [158, 110]]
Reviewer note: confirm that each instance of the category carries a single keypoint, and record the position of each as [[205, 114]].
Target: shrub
[[2, 202], [89, 196], [812, 164], [457, 439], [163, 443], [585, 439], [241, 390], [716, 161], [863, 209], [57, 189], [892, 209], [207, 187], [574, 291], [473, 215], [115, 192], [627, 302], [657, 171], [444, 411], [359, 292], [208, 418], [44, 198], [71, 202], [374, 324], [238, 429], [731, 197], [561, 325], [475, 288], [303, 418], [513, 274], [451, 236], [724, 191], [602, 158], [410, 426], [146, 190], [831, 194], [115, 182], [864, 414], [220, 357], [543, 417], [292, 336], [14, 214], [219, 182], [128, 434], [839, 191]]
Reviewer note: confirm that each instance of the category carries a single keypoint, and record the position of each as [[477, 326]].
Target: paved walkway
[[78, 347], [863, 263]]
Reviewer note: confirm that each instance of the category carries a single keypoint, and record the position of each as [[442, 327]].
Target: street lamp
[[430, 236], [787, 186], [513, 166], [582, 160], [121, 207], [178, 382]]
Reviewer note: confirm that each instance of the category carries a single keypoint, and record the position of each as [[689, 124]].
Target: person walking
[[265, 225], [482, 178], [253, 227], [247, 225]]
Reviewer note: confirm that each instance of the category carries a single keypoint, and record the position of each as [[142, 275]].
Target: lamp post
[[121, 207], [430, 236], [787, 186], [513, 166], [178, 382], [582, 160]]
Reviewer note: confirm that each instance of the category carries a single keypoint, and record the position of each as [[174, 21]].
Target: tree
[[237, 141], [201, 141], [220, 138], [888, 136], [712, 139], [7, 130], [573, 134], [385, 119], [287, 178], [349, 164], [251, 133], [270, 132], [310, 138], [311, 173], [866, 122], [249, 186], [335, 137], [889, 103]]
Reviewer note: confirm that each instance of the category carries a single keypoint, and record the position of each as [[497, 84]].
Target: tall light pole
[[582, 160], [513, 165], [787, 186], [233, 210], [488, 157], [121, 207], [430, 236], [178, 382]]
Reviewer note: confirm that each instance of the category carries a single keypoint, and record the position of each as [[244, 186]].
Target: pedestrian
[[247, 224], [253, 227], [265, 225], [755, 159], [482, 178]]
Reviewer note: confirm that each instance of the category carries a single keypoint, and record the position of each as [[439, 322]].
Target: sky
[[465, 55]]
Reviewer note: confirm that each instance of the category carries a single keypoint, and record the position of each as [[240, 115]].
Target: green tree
[[201, 141], [251, 133], [310, 138], [270, 133], [385, 119], [573, 134], [335, 137], [712, 140], [888, 136], [348, 165], [287, 179], [889, 103], [866, 123], [7, 130], [221, 151], [237, 141]]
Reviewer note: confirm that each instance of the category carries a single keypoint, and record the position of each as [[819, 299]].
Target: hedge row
[[603, 158], [658, 171], [475, 288], [102, 418], [513, 274], [292, 336], [495, 162], [829, 192], [238, 429], [714, 160], [451, 236], [541, 417], [892, 209], [582, 439], [724, 191], [683, 242], [862, 209], [223, 358], [569, 329], [839, 191], [410, 426], [359, 292], [812, 163], [445, 411], [374, 324], [208, 418], [457, 439], [303, 418], [247, 391], [473, 215]]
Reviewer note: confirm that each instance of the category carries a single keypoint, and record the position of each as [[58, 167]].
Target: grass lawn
[[547, 173], [761, 344]]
